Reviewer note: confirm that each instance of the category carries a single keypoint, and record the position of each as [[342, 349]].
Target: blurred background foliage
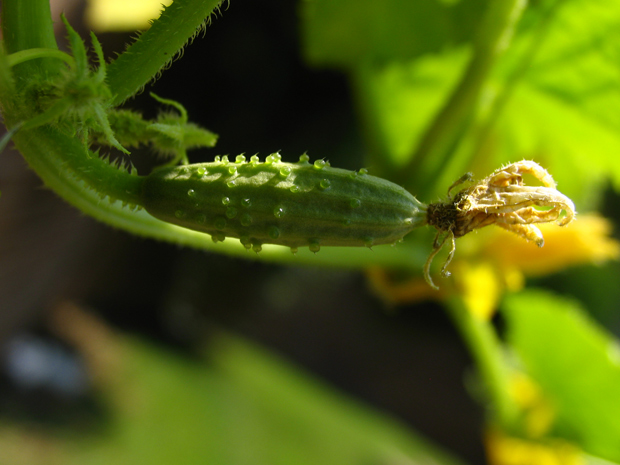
[[154, 363]]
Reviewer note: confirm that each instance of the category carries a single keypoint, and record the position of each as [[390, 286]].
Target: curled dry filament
[[501, 199]]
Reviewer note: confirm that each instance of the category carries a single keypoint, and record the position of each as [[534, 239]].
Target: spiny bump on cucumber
[[291, 204]]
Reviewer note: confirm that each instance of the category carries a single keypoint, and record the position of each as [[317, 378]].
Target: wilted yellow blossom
[[501, 199], [587, 241], [493, 261]]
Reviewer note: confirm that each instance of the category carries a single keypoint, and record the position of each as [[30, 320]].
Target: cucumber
[[290, 204]]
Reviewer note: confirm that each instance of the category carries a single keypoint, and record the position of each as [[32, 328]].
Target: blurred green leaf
[[577, 364], [346, 33], [563, 111], [400, 99], [241, 405], [403, 57]]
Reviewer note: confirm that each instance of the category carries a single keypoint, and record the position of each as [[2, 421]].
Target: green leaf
[[345, 33], [400, 98], [577, 364], [563, 111], [241, 405]]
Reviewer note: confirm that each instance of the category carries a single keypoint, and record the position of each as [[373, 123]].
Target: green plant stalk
[[433, 151], [28, 24], [157, 47], [501, 100], [486, 350], [31, 53]]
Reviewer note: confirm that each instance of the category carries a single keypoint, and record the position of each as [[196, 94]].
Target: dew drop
[[214, 238], [257, 247], [231, 183], [225, 159], [217, 159], [201, 218], [225, 200], [279, 211], [274, 158], [246, 203], [363, 172], [254, 159], [231, 212], [240, 159], [368, 242], [304, 158], [179, 214], [285, 171], [246, 220], [220, 223], [201, 171], [319, 164], [314, 246], [245, 240], [294, 189], [232, 170], [221, 237], [294, 250], [274, 232], [325, 184], [191, 193], [355, 203]]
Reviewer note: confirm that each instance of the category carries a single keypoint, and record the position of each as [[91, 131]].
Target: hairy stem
[[157, 47]]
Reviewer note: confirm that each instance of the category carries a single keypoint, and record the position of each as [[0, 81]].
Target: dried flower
[[502, 199]]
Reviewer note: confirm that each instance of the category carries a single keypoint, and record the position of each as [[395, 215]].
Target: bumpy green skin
[[290, 204]]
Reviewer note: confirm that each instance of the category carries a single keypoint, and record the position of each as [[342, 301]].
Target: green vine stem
[[485, 348], [28, 25], [433, 150]]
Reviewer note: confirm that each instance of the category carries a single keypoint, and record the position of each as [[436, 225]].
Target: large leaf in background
[[240, 406], [346, 33], [402, 56], [565, 111], [400, 99], [576, 363]]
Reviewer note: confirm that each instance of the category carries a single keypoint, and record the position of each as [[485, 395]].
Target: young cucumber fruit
[[290, 204]]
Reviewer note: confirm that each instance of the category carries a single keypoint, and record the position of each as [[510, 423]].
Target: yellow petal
[[584, 241], [539, 413], [122, 15], [505, 450], [480, 287]]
